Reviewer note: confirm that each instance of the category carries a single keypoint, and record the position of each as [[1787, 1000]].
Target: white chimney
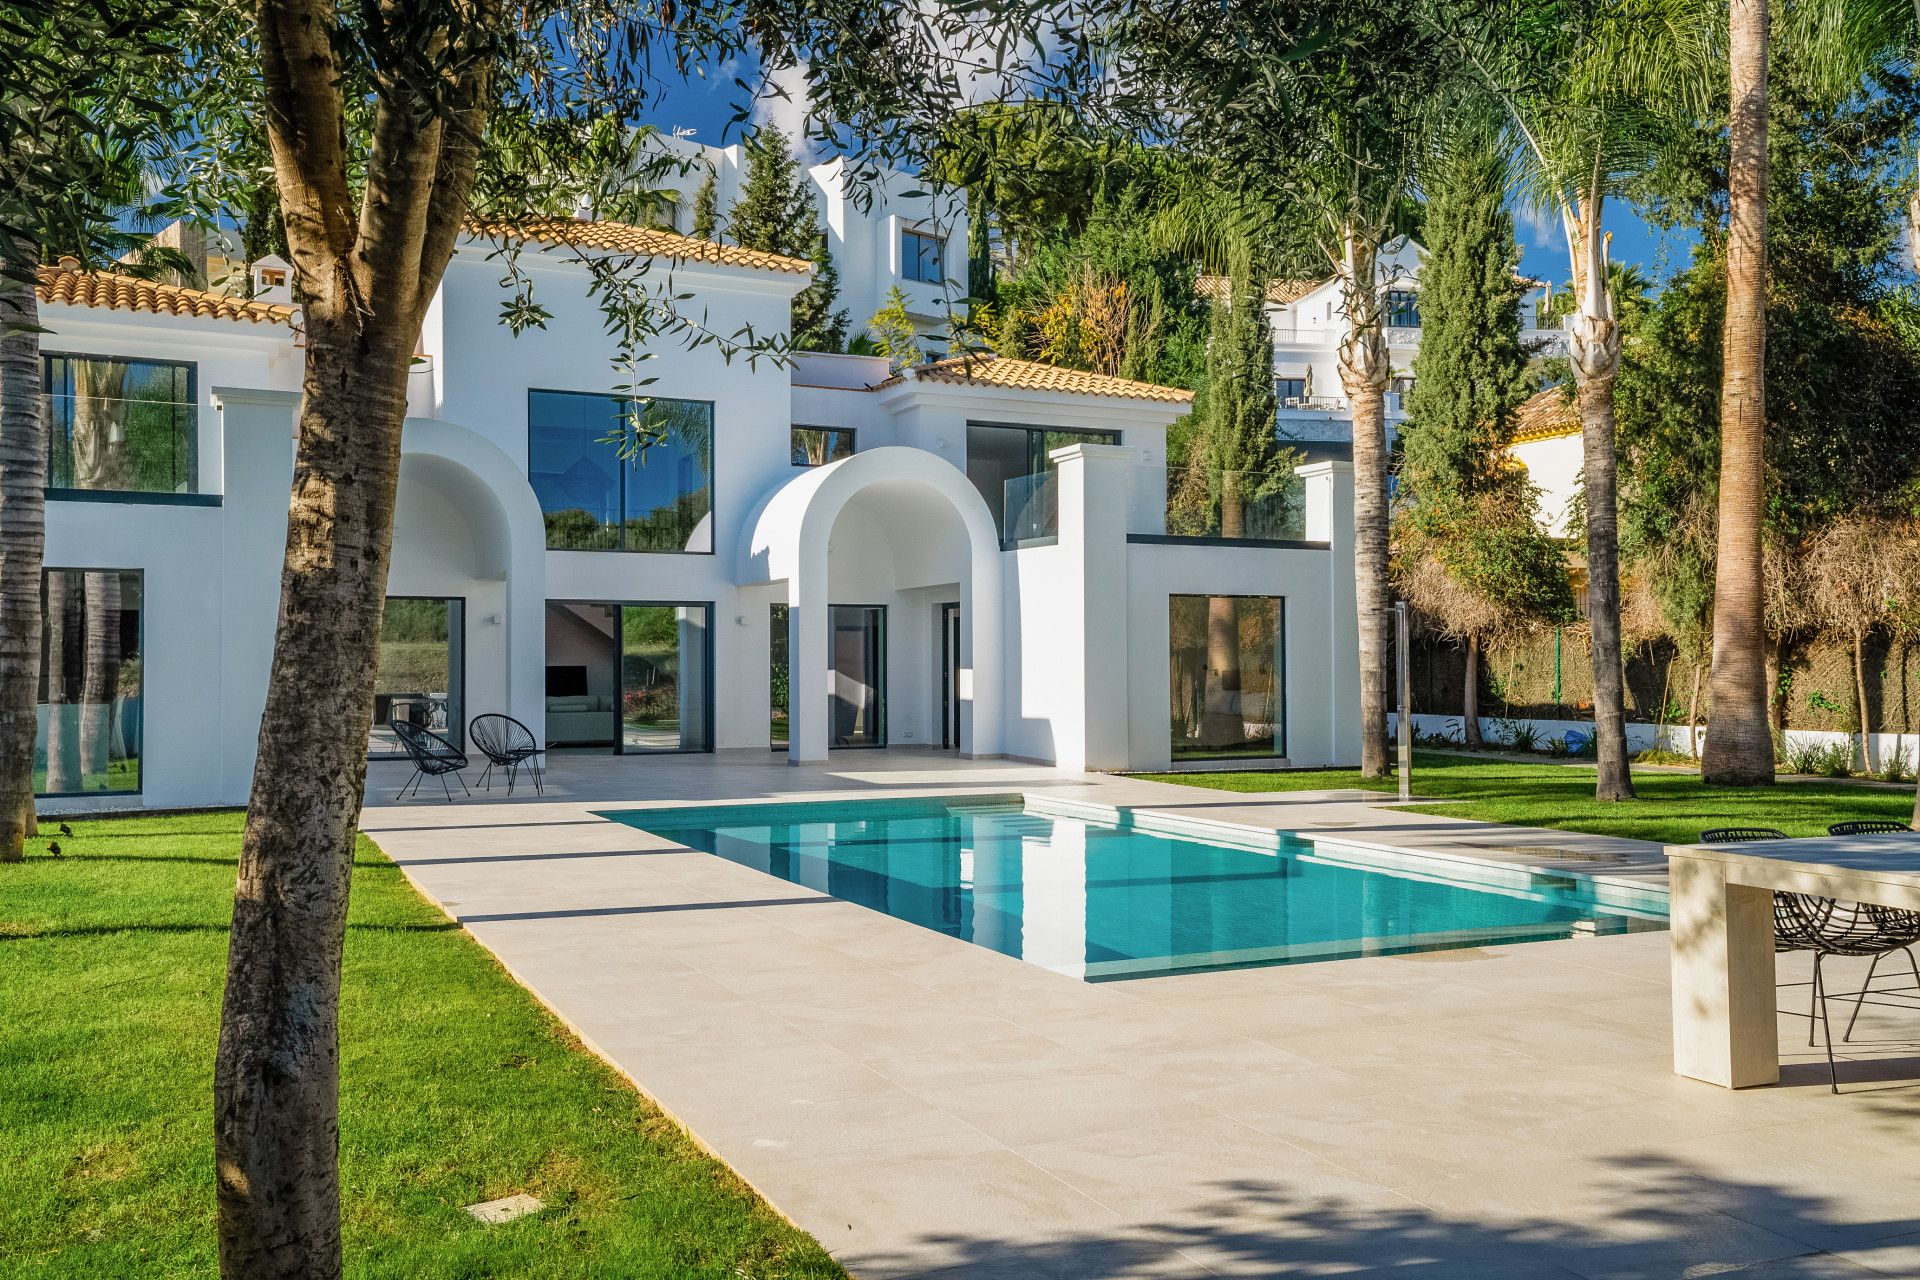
[[272, 279]]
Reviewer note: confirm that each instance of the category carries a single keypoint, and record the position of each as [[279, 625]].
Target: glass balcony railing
[[1031, 508], [122, 446], [1236, 504]]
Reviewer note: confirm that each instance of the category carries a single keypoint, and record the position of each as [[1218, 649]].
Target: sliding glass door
[[632, 677], [419, 671]]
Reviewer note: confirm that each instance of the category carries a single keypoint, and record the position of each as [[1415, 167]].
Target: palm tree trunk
[[1693, 712], [1363, 373], [1470, 697], [276, 1074], [23, 535], [1740, 747], [1613, 780], [1593, 348]]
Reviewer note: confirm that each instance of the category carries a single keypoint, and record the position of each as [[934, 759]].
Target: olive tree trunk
[[1364, 368], [1739, 745], [23, 536], [367, 269]]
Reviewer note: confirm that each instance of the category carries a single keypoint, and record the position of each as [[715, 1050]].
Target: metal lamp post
[[1404, 672]]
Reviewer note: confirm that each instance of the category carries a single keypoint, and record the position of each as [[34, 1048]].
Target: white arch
[[788, 542], [510, 544]]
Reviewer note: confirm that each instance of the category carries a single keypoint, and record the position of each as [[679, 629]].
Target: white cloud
[[786, 113]]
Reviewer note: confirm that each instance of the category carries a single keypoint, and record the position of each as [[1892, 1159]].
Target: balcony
[[101, 445], [1235, 506], [1030, 509]]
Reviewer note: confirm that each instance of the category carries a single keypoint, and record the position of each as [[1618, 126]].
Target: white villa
[[1309, 319], [969, 558]]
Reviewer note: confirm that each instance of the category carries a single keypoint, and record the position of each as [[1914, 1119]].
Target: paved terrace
[[930, 1108]]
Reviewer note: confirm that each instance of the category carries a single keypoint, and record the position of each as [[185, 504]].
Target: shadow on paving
[[1657, 1218]]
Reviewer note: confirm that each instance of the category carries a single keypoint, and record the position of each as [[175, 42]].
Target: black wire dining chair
[[1898, 927], [432, 755], [507, 744], [1868, 827]]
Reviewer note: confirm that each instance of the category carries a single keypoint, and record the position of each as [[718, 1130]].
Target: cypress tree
[[706, 209], [776, 214], [1241, 443], [1471, 558], [1471, 371], [815, 326]]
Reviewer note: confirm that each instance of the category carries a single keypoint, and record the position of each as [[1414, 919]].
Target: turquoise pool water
[[1117, 899]]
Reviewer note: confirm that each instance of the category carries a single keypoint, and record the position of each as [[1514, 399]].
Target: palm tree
[[1589, 91], [80, 81], [1739, 750]]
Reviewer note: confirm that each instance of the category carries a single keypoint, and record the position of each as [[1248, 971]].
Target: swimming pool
[[1110, 896]]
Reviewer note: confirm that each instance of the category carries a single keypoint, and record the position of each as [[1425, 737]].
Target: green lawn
[[1672, 808], [456, 1088]]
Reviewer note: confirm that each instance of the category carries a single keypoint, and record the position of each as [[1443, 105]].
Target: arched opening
[[892, 610], [463, 590]]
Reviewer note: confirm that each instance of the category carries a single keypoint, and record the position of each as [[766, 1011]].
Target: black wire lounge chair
[[1868, 827], [432, 755], [507, 744]]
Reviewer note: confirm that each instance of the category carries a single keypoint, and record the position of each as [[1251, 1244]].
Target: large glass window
[[661, 500], [89, 714], [120, 425], [1403, 309], [1227, 664], [817, 446], [633, 677], [1285, 389], [922, 257], [1012, 467], [419, 671]]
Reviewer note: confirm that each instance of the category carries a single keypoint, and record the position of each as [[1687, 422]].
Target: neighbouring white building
[[820, 556], [887, 232], [1309, 319]]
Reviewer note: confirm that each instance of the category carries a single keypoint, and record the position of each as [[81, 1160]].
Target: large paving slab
[[931, 1108]]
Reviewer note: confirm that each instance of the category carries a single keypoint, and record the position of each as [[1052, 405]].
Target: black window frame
[[1402, 309], [460, 678], [140, 752], [713, 476], [910, 264], [796, 458], [192, 495]]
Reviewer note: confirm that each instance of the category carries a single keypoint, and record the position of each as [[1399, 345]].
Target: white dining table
[[1725, 1008]]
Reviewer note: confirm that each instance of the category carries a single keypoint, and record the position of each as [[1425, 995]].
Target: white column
[[1094, 481], [809, 669], [1323, 664]]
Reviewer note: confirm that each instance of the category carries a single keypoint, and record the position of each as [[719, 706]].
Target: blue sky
[[705, 106]]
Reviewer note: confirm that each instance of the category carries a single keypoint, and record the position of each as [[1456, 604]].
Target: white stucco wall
[[1554, 465]]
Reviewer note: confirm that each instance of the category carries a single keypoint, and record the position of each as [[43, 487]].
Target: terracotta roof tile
[[620, 237], [1031, 375], [1545, 414], [1279, 292], [125, 293]]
